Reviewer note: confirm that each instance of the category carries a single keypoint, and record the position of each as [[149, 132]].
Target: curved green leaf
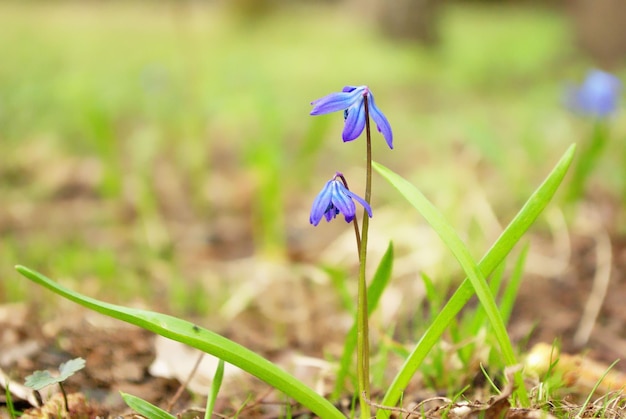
[[496, 254], [200, 338], [145, 408], [462, 254]]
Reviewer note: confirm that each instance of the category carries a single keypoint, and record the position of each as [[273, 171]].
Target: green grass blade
[[473, 322], [145, 408], [497, 277], [432, 295], [200, 338], [595, 389], [215, 389], [495, 281], [374, 292], [494, 256], [489, 379], [9, 399], [467, 262], [510, 292]]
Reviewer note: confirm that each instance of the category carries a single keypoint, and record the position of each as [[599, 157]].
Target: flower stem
[[587, 161], [363, 364]]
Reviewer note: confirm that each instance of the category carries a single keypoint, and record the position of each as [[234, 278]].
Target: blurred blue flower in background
[[335, 198], [350, 101], [598, 96]]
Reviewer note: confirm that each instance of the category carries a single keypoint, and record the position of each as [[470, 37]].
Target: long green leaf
[[374, 292], [145, 408], [200, 338], [462, 254], [496, 254]]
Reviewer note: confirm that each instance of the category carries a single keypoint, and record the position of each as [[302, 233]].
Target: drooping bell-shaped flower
[[334, 199]]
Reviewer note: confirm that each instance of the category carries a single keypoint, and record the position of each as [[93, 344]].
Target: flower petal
[[321, 204], [331, 212], [342, 201], [360, 201], [381, 121], [355, 122], [333, 102], [598, 96], [601, 90]]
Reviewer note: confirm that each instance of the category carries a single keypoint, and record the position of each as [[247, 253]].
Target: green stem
[[363, 365], [587, 161]]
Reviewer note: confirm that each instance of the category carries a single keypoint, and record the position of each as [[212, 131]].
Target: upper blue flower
[[598, 96], [335, 198], [350, 100]]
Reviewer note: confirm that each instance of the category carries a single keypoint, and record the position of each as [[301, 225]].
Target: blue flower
[[598, 96], [335, 198], [350, 101]]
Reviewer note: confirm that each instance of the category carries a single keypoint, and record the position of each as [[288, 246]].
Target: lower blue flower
[[336, 198]]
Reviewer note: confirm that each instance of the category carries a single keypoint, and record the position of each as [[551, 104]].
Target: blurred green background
[[145, 147]]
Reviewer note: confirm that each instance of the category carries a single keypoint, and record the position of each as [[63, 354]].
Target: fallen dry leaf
[[177, 360], [79, 408]]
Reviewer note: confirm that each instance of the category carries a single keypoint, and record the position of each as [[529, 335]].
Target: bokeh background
[[161, 153]]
